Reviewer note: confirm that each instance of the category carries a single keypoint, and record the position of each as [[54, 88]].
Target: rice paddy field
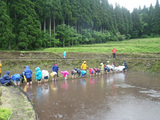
[[150, 45]]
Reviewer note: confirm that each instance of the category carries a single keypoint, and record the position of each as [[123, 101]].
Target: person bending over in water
[[91, 71], [97, 71], [78, 71], [45, 75], [5, 80], [28, 75], [16, 79], [73, 73], [83, 73], [65, 74], [54, 76]]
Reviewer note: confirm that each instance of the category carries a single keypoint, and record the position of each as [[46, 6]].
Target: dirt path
[[15, 100]]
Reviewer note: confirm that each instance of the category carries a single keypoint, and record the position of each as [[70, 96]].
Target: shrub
[[4, 113]]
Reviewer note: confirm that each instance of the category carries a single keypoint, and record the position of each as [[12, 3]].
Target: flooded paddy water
[[118, 96]]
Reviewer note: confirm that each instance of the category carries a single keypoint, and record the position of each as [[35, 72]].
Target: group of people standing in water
[[44, 74]]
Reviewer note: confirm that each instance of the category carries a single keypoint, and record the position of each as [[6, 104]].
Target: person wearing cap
[[84, 66], [114, 52], [55, 68]]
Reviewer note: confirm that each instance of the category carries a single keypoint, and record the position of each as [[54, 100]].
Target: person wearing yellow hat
[[84, 66]]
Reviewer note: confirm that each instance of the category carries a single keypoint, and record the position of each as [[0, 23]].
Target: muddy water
[[119, 96]]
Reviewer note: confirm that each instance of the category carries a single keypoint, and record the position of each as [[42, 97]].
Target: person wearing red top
[[114, 52]]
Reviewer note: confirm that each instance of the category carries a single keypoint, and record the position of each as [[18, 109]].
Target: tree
[[6, 34], [156, 19]]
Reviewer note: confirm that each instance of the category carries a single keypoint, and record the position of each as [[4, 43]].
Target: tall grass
[[127, 46]]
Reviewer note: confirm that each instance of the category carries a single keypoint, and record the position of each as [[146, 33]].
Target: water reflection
[[45, 89], [53, 86], [91, 80], [83, 82], [64, 85], [38, 92], [109, 97]]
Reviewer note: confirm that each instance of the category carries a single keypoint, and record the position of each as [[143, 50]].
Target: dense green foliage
[[4, 113], [32, 24], [150, 45]]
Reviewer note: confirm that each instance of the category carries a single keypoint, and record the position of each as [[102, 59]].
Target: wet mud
[[118, 96]]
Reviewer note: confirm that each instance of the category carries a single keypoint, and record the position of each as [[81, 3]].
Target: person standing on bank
[[64, 55], [55, 68], [114, 52]]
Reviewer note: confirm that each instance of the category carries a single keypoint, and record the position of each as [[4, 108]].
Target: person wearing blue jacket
[[83, 73], [38, 74], [16, 78], [28, 75], [5, 80], [125, 64], [64, 55], [55, 68]]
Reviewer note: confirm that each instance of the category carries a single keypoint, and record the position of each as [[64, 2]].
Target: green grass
[[128, 46], [4, 113]]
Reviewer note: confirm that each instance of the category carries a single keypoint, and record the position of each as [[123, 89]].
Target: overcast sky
[[131, 4]]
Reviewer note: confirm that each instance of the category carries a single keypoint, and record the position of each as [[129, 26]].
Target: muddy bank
[[13, 99]]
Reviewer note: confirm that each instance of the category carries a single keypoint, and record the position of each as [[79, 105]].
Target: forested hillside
[[32, 24]]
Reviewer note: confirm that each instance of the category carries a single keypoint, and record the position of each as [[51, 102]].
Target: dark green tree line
[[31, 24]]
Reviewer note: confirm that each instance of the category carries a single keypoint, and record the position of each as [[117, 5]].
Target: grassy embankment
[[149, 45]]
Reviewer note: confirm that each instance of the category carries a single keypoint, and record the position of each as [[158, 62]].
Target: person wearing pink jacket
[[65, 74]]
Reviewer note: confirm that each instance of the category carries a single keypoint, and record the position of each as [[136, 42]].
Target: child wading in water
[[91, 71], [28, 75], [54, 76], [45, 75], [73, 73], [65, 74], [16, 79], [97, 71], [38, 74]]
